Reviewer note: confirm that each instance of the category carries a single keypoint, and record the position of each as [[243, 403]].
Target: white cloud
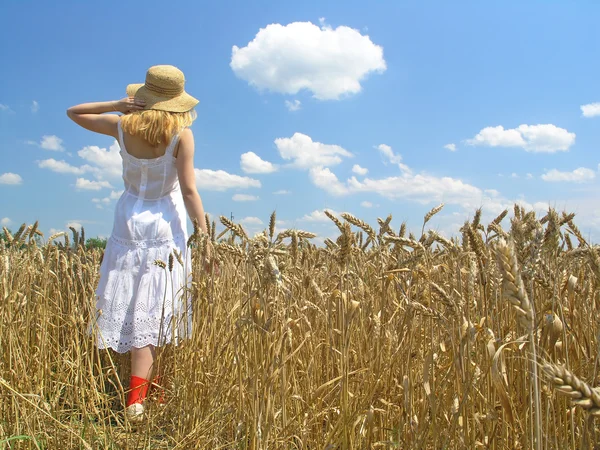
[[359, 170], [579, 175], [392, 157], [305, 153], [5, 222], [35, 107], [52, 142], [100, 202], [318, 216], [252, 163], [244, 198], [421, 188], [529, 176], [329, 62], [366, 204], [63, 167], [219, 180], [387, 151], [545, 138], [75, 225], [88, 185], [10, 178], [451, 147], [590, 110], [514, 175], [108, 162], [7, 109], [282, 192], [293, 106], [325, 179], [251, 221]]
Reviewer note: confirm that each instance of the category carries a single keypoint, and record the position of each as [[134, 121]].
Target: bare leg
[[142, 360]]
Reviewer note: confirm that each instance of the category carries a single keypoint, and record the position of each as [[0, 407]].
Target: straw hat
[[163, 90]]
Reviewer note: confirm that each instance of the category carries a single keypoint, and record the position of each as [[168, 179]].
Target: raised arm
[[91, 115], [187, 178]]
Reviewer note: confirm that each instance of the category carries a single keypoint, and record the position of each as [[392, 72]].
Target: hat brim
[[181, 103]]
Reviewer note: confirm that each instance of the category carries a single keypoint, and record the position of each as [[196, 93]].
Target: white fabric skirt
[[139, 302]]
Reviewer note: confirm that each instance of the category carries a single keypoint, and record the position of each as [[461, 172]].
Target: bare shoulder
[[186, 142], [186, 135]]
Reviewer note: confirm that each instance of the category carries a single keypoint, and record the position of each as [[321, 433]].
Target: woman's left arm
[[91, 115]]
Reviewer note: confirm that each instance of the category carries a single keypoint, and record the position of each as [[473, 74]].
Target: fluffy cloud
[[219, 180], [590, 110], [425, 189], [546, 138], [579, 175], [359, 170], [305, 153], [392, 157], [103, 164], [328, 62], [421, 188], [251, 221], [89, 185], [293, 106], [52, 142], [75, 225], [35, 107], [325, 179], [63, 167], [108, 163], [252, 163], [388, 153], [5, 222], [10, 178], [244, 198], [318, 216], [451, 147], [366, 204], [101, 202]]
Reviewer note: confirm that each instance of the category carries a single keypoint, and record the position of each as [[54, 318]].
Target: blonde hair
[[156, 127]]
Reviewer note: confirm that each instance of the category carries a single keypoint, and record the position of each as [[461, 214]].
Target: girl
[[140, 302]]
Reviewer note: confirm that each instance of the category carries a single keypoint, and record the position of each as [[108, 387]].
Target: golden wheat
[[376, 340]]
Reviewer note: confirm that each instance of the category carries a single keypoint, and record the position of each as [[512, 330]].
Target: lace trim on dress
[[148, 243]]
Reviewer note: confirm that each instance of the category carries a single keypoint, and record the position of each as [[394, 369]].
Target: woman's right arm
[[187, 178]]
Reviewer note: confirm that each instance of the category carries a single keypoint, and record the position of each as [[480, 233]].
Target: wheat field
[[379, 339]]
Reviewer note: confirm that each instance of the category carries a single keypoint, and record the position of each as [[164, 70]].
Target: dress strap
[[121, 142], [171, 148]]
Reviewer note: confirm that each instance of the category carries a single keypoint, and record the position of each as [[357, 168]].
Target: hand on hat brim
[[183, 102]]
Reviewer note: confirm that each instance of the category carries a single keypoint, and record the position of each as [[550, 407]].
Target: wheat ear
[[569, 384], [512, 283]]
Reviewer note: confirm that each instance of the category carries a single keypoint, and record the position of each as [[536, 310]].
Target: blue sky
[[371, 108]]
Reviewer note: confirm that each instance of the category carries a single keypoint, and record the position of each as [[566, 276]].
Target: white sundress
[[140, 303]]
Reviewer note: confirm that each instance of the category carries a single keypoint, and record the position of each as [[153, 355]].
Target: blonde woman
[[140, 303]]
